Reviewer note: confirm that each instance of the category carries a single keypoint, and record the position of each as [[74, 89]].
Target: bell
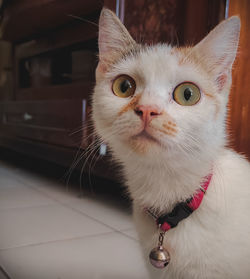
[[159, 257]]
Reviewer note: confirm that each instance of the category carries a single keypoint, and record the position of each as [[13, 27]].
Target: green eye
[[187, 94], [124, 86]]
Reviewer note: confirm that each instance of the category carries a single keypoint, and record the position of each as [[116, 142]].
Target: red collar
[[183, 209]]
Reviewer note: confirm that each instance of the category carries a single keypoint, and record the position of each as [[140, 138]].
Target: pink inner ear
[[221, 80], [103, 49]]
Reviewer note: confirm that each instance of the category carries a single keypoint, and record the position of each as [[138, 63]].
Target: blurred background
[[48, 55], [49, 156]]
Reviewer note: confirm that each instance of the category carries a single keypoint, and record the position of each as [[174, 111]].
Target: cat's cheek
[[106, 105]]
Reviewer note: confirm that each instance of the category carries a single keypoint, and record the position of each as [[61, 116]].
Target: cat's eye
[[187, 94], [124, 86]]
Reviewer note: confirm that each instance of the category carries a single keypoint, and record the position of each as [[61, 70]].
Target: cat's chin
[[145, 136], [142, 142]]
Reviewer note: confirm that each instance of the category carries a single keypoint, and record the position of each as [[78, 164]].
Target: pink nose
[[147, 113]]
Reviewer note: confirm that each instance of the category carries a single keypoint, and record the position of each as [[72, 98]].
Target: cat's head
[[161, 101]]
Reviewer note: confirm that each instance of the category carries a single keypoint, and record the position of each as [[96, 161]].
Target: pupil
[[125, 85], [188, 93]]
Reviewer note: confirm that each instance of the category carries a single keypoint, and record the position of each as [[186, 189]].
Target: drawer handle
[[27, 116]]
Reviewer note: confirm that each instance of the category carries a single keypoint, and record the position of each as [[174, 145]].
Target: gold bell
[[159, 257]]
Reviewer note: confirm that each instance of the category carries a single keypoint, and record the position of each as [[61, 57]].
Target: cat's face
[[161, 101]]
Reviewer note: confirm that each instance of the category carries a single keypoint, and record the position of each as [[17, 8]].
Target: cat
[[162, 111]]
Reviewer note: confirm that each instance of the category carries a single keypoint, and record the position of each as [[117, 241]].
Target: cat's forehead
[[155, 63], [158, 54]]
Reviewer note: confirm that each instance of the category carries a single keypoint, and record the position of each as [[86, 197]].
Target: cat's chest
[[158, 190], [194, 249]]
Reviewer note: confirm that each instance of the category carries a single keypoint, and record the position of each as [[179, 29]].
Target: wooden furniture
[[239, 107], [50, 60], [45, 109]]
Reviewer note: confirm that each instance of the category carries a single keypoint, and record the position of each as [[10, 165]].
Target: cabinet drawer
[[46, 121]]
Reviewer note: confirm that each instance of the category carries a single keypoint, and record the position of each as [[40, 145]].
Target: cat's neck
[[163, 185]]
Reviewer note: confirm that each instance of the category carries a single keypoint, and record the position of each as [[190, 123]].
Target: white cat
[[162, 111]]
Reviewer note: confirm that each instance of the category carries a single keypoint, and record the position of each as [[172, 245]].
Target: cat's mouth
[[145, 136]]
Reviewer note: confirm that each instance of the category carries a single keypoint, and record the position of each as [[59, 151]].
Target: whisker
[[83, 19], [78, 157], [91, 166], [87, 125]]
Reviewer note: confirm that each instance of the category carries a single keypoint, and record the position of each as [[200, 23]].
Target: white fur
[[214, 242]]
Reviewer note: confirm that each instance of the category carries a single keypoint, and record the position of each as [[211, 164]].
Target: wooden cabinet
[[49, 122], [52, 55]]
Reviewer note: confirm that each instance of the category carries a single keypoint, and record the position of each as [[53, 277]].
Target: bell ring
[[159, 257]]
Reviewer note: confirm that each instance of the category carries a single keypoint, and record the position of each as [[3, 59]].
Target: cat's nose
[[147, 113]]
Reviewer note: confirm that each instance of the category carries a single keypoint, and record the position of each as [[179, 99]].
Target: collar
[[183, 209]]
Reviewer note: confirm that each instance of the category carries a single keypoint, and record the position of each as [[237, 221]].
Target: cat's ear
[[114, 39], [218, 49]]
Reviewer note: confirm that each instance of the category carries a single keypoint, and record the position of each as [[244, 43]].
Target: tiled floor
[[47, 232]]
